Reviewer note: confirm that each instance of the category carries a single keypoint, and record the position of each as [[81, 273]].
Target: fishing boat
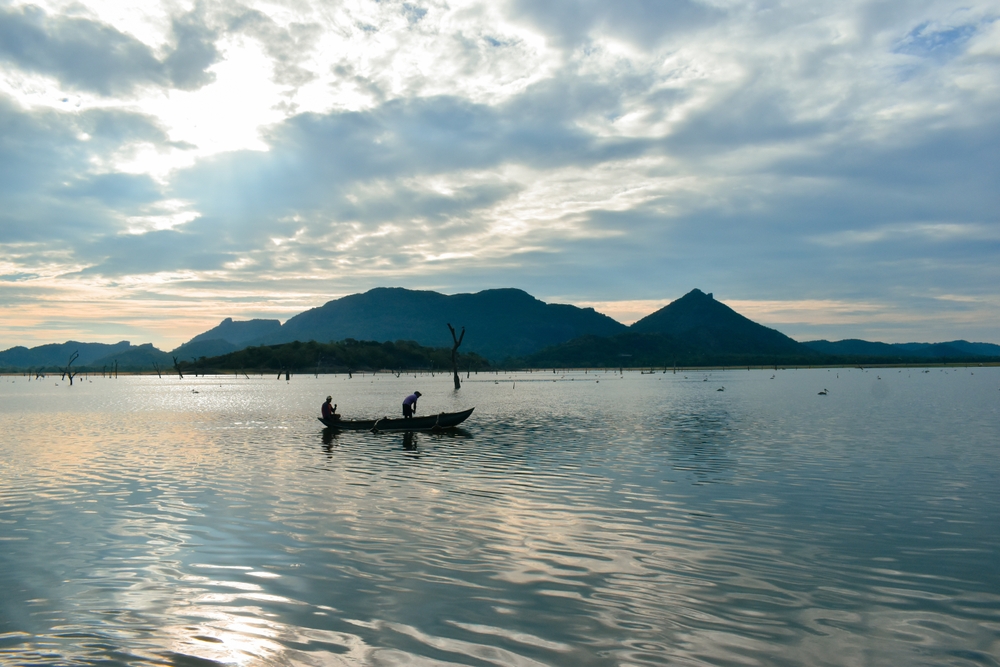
[[436, 422]]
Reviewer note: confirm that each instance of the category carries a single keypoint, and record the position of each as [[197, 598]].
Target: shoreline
[[645, 370]]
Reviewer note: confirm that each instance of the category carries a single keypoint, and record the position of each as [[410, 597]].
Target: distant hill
[[238, 333], [57, 354], [956, 349], [695, 330], [853, 347], [228, 336], [205, 348], [136, 358], [700, 321], [499, 323]]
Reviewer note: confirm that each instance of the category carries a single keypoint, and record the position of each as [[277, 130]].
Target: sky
[[828, 169]]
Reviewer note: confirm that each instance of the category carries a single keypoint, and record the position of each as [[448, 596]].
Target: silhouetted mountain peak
[[698, 319], [696, 309], [237, 332]]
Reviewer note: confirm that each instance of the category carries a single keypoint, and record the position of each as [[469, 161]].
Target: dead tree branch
[[68, 370], [454, 354]]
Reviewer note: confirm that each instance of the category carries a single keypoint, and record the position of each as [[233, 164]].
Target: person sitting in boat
[[410, 405], [330, 411]]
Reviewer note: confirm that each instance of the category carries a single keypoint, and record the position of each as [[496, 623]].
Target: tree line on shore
[[337, 357]]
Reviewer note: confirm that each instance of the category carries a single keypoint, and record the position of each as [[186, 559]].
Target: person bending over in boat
[[410, 405], [330, 411]]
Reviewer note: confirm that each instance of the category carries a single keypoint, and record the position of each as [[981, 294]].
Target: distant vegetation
[[654, 350], [347, 355], [506, 328]]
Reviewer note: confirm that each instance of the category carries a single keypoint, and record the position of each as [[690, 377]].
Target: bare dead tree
[[454, 354], [177, 367], [157, 367], [68, 370]]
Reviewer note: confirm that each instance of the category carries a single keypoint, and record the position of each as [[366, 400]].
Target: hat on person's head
[[417, 393], [329, 398]]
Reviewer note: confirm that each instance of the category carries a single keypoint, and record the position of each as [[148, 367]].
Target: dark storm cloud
[[84, 54]]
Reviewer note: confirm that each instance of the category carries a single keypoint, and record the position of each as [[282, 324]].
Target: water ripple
[[639, 520]]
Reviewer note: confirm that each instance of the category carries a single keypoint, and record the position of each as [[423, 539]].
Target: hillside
[[499, 323], [137, 358], [698, 320], [695, 330], [55, 355], [907, 352]]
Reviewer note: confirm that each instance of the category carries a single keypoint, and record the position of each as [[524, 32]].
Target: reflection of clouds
[[246, 636], [488, 653], [534, 538], [227, 627]]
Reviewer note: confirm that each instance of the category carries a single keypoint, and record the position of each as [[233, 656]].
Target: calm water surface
[[577, 519]]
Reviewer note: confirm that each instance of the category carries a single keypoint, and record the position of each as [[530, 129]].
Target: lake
[[583, 518]]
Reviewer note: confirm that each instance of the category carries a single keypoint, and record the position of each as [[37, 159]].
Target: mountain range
[[512, 325]]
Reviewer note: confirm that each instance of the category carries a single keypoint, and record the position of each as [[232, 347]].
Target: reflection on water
[[642, 519], [702, 443], [409, 441]]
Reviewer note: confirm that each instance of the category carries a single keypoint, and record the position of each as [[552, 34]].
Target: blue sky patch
[[929, 41]]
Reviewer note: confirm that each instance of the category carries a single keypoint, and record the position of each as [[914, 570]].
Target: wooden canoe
[[425, 423]]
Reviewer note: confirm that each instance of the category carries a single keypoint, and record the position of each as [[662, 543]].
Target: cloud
[[936, 233], [51, 190], [315, 160], [647, 23], [186, 66], [287, 46], [123, 192], [85, 54], [622, 154]]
